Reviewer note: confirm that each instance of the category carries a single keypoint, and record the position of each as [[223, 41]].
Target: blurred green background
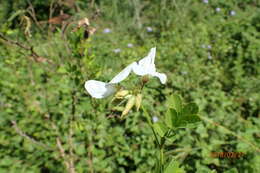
[[208, 49]]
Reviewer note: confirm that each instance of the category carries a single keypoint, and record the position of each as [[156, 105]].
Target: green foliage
[[179, 115], [173, 167], [160, 128], [211, 58]]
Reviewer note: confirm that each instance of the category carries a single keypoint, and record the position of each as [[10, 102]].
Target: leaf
[[190, 109], [80, 149], [175, 102], [147, 116], [185, 120], [160, 128], [171, 118], [173, 167]]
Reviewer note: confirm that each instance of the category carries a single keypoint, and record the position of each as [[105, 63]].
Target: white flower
[[123, 74], [106, 30], [149, 29], [218, 9], [205, 1], [146, 66], [155, 119], [98, 89]]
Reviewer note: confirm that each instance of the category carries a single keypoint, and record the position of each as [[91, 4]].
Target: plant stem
[[161, 159], [162, 154]]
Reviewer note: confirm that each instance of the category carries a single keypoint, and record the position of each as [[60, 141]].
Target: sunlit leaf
[[160, 128], [174, 101], [174, 167]]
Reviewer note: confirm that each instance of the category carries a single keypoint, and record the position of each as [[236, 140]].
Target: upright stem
[[161, 160], [162, 154]]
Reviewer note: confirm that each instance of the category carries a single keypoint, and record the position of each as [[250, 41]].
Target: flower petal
[[98, 89], [161, 76], [152, 54], [123, 74], [149, 59], [146, 65], [139, 70]]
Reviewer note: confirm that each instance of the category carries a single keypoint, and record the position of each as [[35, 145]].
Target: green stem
[[161, 160], [162, 154]]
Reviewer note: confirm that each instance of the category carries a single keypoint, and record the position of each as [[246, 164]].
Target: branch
[[62, 153], [231, 132], [35, 56], [66, 159], [32, 13], [21, 133]]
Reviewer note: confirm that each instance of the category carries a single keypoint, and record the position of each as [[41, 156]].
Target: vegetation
[[209, 51]]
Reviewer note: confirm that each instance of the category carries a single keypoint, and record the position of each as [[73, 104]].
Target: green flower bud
[[138, 101], [121, 94], [145, 79], [129, 106]]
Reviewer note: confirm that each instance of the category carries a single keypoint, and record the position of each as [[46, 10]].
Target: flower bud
[[121, 94], [145, 79], [129, 106], [138, 101]]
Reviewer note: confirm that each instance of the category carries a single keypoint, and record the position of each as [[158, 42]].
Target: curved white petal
[[98, 89], [139, 70], [149, 59], [152, 54], [123, 74], [146, 65], [161, 76]]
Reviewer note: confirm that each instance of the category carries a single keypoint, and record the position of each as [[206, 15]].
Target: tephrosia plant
[[178, 115]]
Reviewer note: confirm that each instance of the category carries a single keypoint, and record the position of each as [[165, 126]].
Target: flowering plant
[[177, 116]]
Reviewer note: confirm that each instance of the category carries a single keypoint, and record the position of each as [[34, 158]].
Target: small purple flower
[[117, 50], [149, 29], [209, 46], [155, 119], [129, 45], [106, 30], [205, 1], [232, 13], [218, 9]]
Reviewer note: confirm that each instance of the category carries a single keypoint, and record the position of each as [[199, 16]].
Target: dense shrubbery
[[209, 51]]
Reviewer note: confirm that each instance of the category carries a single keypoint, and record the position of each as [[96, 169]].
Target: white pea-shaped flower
[[145, 66], [98, 89]]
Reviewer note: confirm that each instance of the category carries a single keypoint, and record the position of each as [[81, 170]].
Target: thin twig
[[231, 132], [35, 56], [90, 160], [67, 162], [32, 13], [70, 138], [21, 133], [62, 153], [14, 42], [50, 15]]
